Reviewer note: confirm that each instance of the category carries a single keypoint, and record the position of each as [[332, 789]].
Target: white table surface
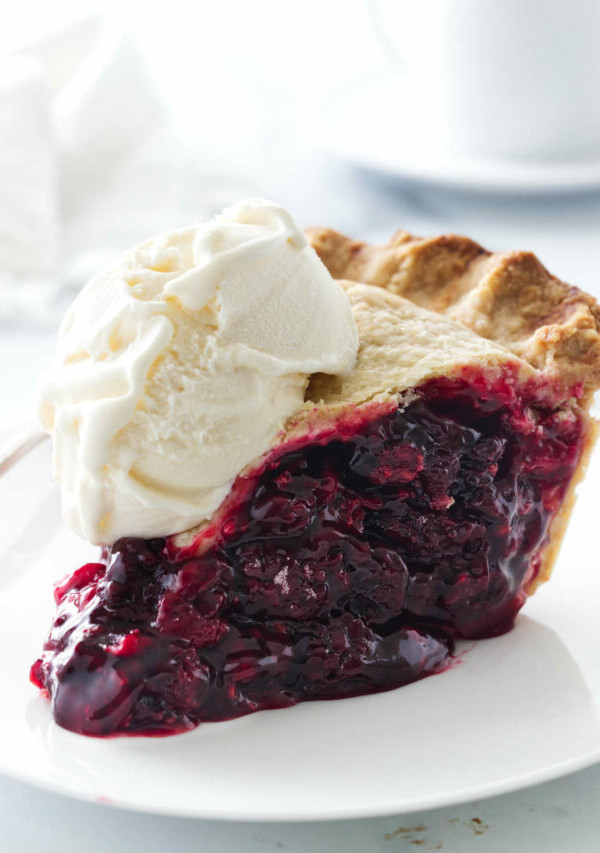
[[560, 816]]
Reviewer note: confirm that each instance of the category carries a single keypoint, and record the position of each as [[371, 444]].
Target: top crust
[[401, 346], [509, 298]]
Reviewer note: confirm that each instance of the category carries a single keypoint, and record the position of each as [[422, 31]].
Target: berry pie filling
[[347, 562]]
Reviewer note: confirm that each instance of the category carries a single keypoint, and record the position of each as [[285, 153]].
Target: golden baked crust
[[558, 525], [507, 297], [396, 352]]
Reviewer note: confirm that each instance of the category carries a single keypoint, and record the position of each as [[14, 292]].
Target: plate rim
[[461, 796], [450, 171]]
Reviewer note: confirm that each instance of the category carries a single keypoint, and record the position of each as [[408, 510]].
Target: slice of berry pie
[[417, 499]]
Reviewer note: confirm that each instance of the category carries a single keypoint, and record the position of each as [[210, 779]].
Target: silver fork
[[19, 445]]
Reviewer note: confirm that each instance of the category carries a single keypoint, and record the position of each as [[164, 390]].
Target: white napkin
[[28, 173], [74, 109]]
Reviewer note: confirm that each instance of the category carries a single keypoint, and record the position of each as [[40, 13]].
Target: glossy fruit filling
[[345, 564]]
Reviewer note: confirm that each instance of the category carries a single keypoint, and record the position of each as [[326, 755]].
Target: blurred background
[[118, 121]]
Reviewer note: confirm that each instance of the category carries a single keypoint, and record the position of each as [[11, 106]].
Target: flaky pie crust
[[508, 298]]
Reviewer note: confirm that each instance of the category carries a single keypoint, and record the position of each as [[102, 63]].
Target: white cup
[[508, 78]]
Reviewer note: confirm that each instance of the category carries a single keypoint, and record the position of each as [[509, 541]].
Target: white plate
[[367, 122], [516, 710]]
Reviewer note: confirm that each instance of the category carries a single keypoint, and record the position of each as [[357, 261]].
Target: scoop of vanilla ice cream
[[178, 365]]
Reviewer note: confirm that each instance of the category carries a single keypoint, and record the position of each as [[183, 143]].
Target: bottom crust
[[559, 523]]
